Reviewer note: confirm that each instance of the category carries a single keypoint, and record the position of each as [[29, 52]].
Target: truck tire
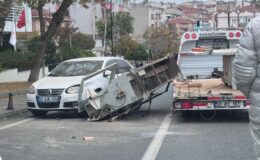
[[38, 113]]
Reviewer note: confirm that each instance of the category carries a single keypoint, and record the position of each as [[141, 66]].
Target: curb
[[13, 112]]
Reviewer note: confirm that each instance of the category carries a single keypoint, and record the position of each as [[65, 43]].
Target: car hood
[[57, 82]]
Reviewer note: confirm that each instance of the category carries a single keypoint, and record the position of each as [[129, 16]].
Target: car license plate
[[48, 99], [227, 104]]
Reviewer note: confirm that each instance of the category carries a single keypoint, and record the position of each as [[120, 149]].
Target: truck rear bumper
[[205, 109]]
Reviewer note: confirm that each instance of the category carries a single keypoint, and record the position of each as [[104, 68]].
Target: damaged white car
[[59, 90]]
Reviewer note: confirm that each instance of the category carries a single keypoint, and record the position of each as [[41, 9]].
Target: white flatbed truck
[[207, 83]]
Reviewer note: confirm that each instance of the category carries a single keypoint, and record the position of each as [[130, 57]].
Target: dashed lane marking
[[15, 124]]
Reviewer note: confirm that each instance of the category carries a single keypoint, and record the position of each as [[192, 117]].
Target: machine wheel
[[38, 113]]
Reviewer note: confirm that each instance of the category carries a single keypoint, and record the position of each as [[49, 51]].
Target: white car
[[59, 90]]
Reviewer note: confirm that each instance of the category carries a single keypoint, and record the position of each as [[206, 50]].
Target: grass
[[14, 86]]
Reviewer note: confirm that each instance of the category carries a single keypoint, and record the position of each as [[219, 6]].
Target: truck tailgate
[[202, 88]]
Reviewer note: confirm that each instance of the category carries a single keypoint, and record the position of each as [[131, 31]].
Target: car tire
[[83, 114], [38, 113]]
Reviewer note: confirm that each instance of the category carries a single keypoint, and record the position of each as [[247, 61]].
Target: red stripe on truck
[[200, 104], [240, 97]]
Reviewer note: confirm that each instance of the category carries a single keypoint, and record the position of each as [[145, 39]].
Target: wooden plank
[[203, 87]]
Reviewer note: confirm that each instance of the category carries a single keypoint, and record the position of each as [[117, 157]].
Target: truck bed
[[202, 88]]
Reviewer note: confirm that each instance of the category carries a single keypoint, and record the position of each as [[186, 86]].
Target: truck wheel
[[38, 113]]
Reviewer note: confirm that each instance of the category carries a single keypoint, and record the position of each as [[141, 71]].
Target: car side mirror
[[106, 73]]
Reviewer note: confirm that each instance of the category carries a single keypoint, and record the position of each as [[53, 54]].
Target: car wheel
[[37, 113], [83, 114]]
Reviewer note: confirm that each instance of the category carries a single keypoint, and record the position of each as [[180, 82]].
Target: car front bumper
[[65, 102]]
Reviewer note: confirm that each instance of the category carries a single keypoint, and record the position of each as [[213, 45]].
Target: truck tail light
[[187, 105], [238, 34], [231, 35], [187, 36], [194, 36]]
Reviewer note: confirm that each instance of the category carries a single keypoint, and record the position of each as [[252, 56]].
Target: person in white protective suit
[[247, 75]]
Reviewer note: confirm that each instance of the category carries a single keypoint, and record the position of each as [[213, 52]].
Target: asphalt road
[[157, 135]]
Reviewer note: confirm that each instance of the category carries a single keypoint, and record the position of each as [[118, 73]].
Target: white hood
[[57, 82]]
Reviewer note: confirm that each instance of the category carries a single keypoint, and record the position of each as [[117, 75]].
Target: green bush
[[20, 60], [34, 44], [74, 52], [24, 60]]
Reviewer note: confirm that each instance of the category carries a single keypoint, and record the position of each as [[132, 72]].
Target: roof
[[207, 18], [181, 20], [249, 8], [210, 5], [221, 11], [185, 12]]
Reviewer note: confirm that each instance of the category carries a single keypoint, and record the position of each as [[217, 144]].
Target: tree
[[125, 46], [130, 49], [46, 36], [160, 41], [122, 25], [83, 41], [139, 54], [5, 8]]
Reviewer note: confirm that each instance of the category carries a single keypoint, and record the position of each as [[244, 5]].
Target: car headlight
[[73, 89], [31, 90]]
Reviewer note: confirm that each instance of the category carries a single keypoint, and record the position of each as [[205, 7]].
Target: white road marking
[[154, 147], [16, 123]]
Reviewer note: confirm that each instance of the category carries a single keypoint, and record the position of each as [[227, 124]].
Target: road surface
[[141, 135]]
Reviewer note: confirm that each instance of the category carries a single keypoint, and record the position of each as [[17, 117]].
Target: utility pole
[[111, 16], [105, 34], [93, 19]]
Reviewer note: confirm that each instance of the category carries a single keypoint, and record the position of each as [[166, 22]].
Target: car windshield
[[76, 68]]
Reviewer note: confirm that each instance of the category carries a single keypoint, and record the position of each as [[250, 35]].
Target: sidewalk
[[19, 105]]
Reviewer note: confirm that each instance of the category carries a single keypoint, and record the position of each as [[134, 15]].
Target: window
[[152, 16], [221, 43], [242, 20], [109, 62], [122, 66], [234, 20], [76, 68]]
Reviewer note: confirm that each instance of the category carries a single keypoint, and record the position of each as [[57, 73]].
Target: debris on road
[[89, 138], [126, 92]]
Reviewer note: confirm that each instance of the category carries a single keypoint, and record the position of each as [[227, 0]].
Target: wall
[[12, 75], [83, 18], [140, 13], [222, 20]]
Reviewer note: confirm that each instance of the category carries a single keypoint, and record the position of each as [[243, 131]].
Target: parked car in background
[[59, 90]]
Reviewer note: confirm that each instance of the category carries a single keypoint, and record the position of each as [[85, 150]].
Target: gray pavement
[[19, 105]]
